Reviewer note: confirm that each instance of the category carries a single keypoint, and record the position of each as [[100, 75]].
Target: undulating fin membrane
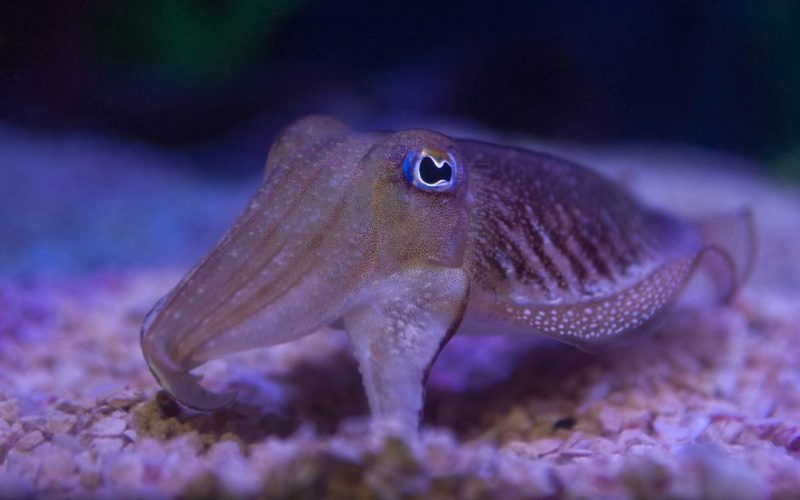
[[595, 322], [726, 251], [730, 249]]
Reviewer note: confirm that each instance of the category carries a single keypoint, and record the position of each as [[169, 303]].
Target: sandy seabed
[[707, 406]]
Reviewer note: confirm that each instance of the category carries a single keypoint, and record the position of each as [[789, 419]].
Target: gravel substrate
[[707, 406]]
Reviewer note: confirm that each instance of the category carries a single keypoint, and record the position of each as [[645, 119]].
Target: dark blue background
[[185, 73]]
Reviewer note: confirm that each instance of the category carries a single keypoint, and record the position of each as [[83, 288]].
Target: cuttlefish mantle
[[405, 238]]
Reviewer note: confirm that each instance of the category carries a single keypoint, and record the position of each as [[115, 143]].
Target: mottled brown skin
[[519, 242]]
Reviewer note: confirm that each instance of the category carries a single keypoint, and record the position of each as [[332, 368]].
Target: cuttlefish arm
[[402, 238], [338, 233], [398, 333]]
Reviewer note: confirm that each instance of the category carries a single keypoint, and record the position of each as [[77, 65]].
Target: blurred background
[[199, 88]]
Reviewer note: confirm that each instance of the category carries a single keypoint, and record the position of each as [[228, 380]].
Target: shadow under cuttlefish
[[475, 380]]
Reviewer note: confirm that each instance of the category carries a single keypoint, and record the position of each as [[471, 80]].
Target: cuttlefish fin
[[729, 240], [593, 323], [397, 333], [724, 248]]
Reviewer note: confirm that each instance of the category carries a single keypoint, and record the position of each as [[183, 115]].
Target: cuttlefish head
[[336, 212]]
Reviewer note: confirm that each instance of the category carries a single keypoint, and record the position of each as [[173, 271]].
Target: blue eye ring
[[431, 170]]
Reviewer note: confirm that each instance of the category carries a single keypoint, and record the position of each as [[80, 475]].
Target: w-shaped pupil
[[431, 174]]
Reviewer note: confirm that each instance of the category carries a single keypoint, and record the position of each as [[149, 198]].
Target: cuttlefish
[[404, 238]]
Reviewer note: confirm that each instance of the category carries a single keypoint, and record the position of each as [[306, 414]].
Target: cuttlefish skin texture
[[404, 238]]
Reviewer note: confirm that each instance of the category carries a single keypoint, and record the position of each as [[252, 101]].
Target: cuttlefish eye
[[431, 170]]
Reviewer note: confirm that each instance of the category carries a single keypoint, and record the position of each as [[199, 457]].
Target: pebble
[[542, 447], [726, 431], [67, 441], [32, 422], [125, 398], [793, 444], [56, 466], [9, 410], [69, 406], [671, 428], [577, 453], [224, 451], [131, 435], [610, 419], [640, 419], [124, 470], [604, 446], [60, 423], [88, 470], [107, 445], [631, 437], [109, 426], [29, 441]]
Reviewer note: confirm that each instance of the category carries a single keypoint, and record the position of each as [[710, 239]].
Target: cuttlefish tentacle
[[404, 238], [268, 280]]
